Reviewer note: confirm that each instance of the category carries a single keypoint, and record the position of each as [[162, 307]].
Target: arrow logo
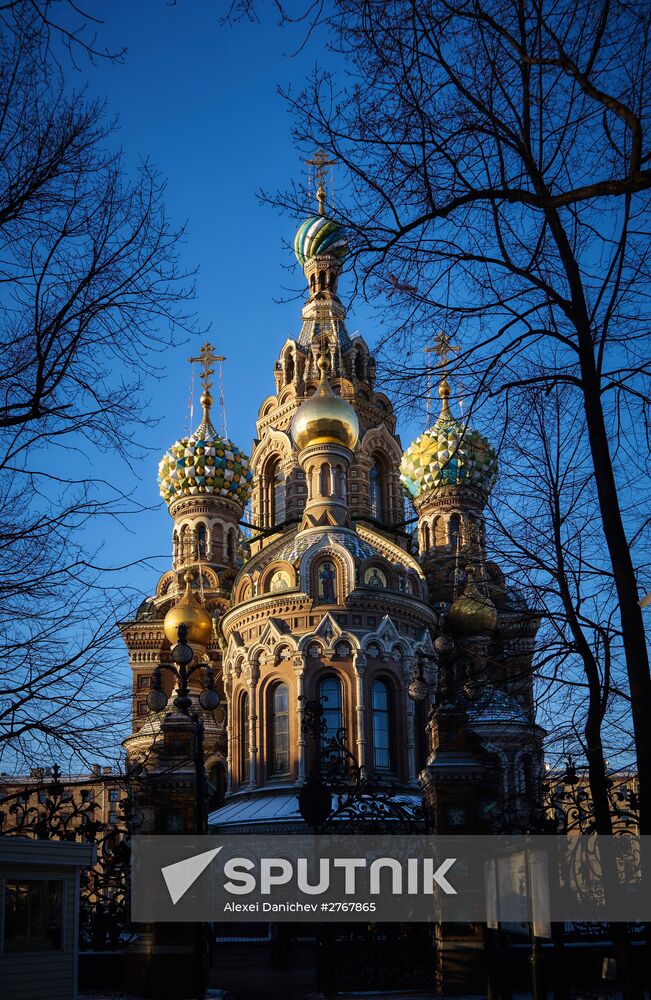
[[182, 874]]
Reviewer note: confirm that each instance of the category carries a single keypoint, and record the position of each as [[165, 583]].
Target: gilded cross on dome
[[320, 161], [207, 357], [444, 350]]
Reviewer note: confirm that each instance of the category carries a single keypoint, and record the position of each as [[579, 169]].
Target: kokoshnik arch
[[332, 600]]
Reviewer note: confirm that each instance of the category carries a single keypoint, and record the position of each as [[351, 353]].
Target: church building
[[390, 615]]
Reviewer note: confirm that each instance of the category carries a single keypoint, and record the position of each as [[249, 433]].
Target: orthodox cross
[[444, 350], [206, 359], [320, 162]]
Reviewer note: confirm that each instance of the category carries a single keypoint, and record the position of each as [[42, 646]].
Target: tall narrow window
[[217, 543], [380, 713], [455, 531], [278, 495], [201, 541], [330, 698], [375, 478], [279, 735], [244, 738], [231, 546]]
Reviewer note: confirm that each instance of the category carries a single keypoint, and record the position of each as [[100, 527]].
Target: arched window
[[231, 546], [217, 543], [184, 544], [324, 482], [438, 531], [376, 485], [275, 493], [201, 541], [359, 366], [454, 529], [289, 368], [330, 698], [279, 730], [244, 738], [426, 537], [381, 722]]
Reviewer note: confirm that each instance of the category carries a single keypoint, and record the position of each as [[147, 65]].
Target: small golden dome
[[473, 612], [189, 612], [325, 418]]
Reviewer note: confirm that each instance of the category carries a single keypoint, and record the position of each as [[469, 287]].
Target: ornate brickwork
[[329, 602]]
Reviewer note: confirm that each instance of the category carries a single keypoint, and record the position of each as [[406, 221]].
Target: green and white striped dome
[[319, 237]]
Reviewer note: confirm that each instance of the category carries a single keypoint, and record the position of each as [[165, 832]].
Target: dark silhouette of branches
[[56, 24], [497, 162], [90, 292]]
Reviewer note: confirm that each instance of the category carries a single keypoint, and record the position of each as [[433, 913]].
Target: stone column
[[410, 710], [228, 690], [299, 669], [359, 666], [253, 728]]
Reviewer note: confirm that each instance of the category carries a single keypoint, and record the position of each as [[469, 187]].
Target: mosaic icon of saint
[[327, 583]]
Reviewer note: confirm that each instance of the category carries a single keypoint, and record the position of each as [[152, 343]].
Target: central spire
[[321, 246]]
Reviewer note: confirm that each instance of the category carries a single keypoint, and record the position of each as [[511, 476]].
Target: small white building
[[39, 917]]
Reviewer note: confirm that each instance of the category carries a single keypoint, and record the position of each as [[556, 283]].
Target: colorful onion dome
[[448, 454], [325, 418], [319, 237], [205, 462]]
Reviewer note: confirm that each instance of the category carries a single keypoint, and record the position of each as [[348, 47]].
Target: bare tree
[[542, 529], [90, 292], [497, 163]]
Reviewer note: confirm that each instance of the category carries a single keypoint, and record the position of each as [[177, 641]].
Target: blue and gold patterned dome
[[319, 237], [205, 462], [448, 454]]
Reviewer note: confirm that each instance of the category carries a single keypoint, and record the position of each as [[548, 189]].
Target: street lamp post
[[182, 655], [182, 668], [315, 797]]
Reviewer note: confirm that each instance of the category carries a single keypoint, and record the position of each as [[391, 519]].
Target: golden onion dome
[[191, 613], [473, 612], [325, 418]]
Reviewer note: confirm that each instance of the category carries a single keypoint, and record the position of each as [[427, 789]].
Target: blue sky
[[201, 101]]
